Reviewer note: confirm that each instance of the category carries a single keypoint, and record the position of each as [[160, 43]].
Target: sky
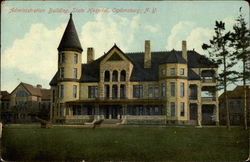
[[31, 31]]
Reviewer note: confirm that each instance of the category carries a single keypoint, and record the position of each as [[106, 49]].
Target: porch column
[[217, 114], [110, 113], [118, 90], [110, 91], [97, 111], [217, 121], [199, 113], [124, 111]]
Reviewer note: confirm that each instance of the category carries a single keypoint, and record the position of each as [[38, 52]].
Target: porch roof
[[118, 101]]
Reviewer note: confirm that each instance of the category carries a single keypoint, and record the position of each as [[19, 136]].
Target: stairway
[[111, 121]]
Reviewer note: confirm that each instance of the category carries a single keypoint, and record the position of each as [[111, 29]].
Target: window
[[163, 72], [172, 88], [182, 108], [61, 58], [172, 71], [153, 91], [61, 91], [138, 91], [53, 96], [115, 76], [75, 58], [77, 110], [182, 71], [93, 91], [163, 89], [172, 106], [156, 91], [114, 91], [21, 94], [106, 76], [75, 73], [61, 109], [123, 75], [106, 91], [74, 91], [62, 72], [122, 91], [182, 89], [150, 91]]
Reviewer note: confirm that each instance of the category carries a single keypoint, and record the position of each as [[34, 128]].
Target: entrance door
[[106, 112], [114, 113]]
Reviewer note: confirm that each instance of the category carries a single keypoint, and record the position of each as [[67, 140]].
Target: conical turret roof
[[70, 40]]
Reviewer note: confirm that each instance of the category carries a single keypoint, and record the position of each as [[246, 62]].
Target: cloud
[[178, 33], [106, 30], [36, 52], [152, 28], [189, 31], [229, 23]]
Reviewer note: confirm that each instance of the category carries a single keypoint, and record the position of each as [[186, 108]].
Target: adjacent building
[[25, 102], [235, 105], [5, 101], [164, 87]]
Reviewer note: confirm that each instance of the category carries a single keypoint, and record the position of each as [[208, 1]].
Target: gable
[[115, 57], [115, 54]]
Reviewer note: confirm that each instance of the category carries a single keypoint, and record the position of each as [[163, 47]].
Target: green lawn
[[103, 144]]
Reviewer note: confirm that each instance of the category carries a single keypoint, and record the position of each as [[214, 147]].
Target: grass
[[128, 144]]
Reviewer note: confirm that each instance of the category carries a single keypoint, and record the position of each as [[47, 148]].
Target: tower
[[69, 68]]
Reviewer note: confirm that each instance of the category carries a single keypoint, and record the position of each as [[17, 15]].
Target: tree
[[219, 51], [241, 43]]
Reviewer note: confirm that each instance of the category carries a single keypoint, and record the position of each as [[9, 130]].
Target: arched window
[[114, 91], [106, 76], [106, 91], [123, 75], [115, 76], [122, 91]]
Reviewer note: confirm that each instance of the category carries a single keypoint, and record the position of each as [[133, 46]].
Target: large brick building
[[24, 102], [167, 87]]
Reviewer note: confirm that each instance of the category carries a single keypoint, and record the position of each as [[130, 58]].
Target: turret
[[69, 65]]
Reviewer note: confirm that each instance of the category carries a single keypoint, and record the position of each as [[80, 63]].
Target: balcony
[[208, 99]]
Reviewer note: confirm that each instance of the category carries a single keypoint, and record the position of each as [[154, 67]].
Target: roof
[[70, 40], [236, 93], [90, 72], [45, 94], [35, 91], [5, 95], [196, 60], [139, 73]]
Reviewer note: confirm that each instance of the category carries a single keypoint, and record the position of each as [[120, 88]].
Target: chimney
[[184, 49], [39, 86], [90, 55], [147, 54]]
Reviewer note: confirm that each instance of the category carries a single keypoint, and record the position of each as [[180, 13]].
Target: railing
[[192, 97], [206, 80], [208, 99]]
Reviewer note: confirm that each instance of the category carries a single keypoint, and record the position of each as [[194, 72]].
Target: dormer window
[[172, 71]]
